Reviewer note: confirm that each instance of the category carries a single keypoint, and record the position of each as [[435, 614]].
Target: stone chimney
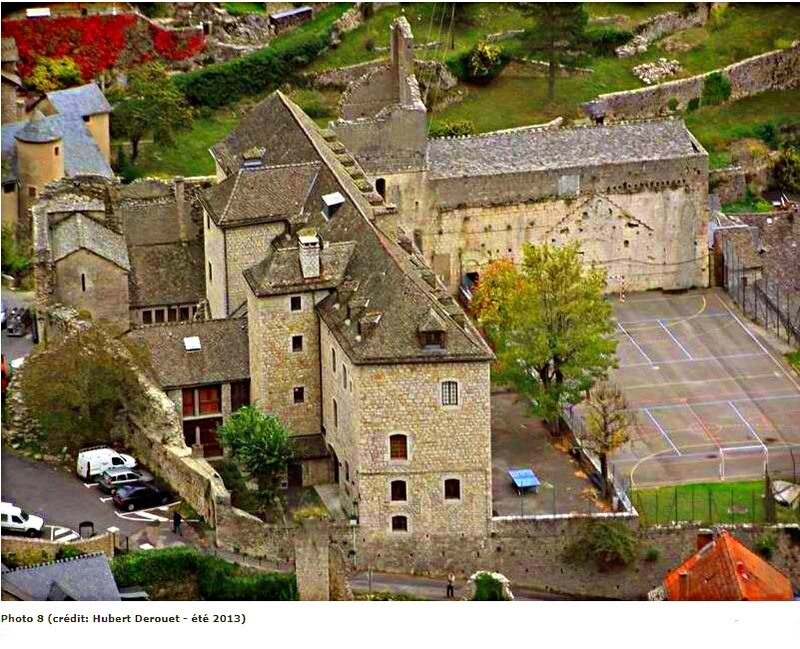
[[310, 248], [704, 537], [683, 585], [180, 208]]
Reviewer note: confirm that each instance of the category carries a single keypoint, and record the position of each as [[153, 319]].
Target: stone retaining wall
[[101, 543], [776, 70]]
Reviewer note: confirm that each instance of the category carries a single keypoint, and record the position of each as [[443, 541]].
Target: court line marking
[[749, 427], [703, 425], [764, 349], [662, 431], [695, 360], [675, 340], [691, 382], [793, 395], [635, 344]]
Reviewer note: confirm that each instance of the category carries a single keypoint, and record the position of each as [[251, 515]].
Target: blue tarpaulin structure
[[524, 479]]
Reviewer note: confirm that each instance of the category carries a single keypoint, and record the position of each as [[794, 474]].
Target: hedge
[[216, 579], [224, 83]]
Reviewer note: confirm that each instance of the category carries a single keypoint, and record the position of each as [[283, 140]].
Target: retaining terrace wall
[[776, 70], [101, 543]]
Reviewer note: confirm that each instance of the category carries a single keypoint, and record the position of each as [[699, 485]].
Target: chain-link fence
[[761, 298]]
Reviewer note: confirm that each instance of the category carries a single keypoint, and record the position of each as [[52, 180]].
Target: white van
[[94, 461], [13, 519]]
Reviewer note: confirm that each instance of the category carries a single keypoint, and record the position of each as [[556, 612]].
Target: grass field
[[794, 359], [243, 8], [708, 503]]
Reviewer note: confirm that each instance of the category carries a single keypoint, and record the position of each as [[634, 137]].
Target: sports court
[[712, 400]]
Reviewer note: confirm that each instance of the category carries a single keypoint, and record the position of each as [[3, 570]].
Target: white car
[[97, 460], [13, 519]]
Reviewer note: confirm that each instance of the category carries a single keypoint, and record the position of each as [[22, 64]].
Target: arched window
[[398, 490], [380, 187], [83, 282], [398, 447]]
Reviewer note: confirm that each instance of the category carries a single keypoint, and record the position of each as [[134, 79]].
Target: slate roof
[[81, 154], [541, 149], [726, 570], [166, 273], [279, 273], [38, 129], [84, 578], [80, 101], [78, 232], [223, 355], [383, 282], [261, 194]]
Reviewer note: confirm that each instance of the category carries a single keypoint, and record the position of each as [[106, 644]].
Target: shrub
[[602, 41], [673, 104], [487, 588], [787, 169], [453, 128], [479, 65], [216, 579], [652, 555], [369, 45], [694, 103], [69, 552], [27, 557], [607, 544], [14, 262], [716, 89], [765, 545], [54, 74]]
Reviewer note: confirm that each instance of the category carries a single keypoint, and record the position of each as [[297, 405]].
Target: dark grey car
[[111, 479]]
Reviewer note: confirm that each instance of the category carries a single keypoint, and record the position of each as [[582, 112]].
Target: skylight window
[[191, 343], [331, 203]]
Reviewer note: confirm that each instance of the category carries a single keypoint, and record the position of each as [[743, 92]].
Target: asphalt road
[[14, 347], [62, 498]]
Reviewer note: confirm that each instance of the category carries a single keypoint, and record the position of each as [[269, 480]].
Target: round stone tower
[[40, 155]]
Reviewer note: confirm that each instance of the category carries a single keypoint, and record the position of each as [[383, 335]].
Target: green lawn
[[242, 8], [794, 359], [188, 156], [708, 504]]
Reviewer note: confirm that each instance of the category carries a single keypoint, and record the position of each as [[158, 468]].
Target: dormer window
[[331, 203], [433, 339], [432, 332], [253, 157]]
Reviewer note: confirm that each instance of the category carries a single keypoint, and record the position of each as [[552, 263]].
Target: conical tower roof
[[40, 129]]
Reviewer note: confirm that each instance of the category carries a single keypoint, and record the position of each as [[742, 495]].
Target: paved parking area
[[521, 441], [713, 400]]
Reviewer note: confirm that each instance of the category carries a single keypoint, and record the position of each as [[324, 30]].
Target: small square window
[[147, 317], [296, 303], [172, 314], [159, 316], [299, 394], [32, 192], [398, 490], [399, 524], [452, 489], [183, 314], [87, 118], [8, 188], [297, 343], [449, 393]]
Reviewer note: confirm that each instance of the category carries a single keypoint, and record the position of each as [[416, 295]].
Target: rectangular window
[[399, 524], [83, 282], [210, 400], [32, 192], [452, 489], [183, 314], [449, 393], [172, 314], [8, 188], [433, 339], [188, 402], [333, 360], [344, 376], [299, 394], [240, 394], [296, 303], [159, 316], [210, 273], [297, 343], [147, 317], [55, 152], [87, 118], [335, 414], [398, 490], [398, 447]]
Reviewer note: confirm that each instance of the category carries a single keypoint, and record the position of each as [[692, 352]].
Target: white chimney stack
[[309, 253]]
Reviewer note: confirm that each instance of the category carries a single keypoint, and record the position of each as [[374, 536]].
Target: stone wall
[[103, 542], [776, 70], [238, 531], [367, 96], [729, 184], [663, 24]]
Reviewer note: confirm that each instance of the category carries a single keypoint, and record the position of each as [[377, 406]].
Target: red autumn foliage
[[96, 42]]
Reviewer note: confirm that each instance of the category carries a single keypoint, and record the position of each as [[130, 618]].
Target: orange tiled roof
[[726, 570]]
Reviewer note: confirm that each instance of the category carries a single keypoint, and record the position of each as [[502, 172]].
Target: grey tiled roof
[[279, 273], [538, 149], [166, 273], [40, 129], [383, 282], [261, 194], [85, 578], [78, 232], [80, 101], [223, 355]]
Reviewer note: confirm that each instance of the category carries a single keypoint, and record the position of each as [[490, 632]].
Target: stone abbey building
[[315, 277]]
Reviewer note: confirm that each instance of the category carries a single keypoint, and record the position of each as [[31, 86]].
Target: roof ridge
[[54, 562], [163, 325], [230, 196]]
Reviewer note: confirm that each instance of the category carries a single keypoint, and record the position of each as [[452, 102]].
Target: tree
[[14, 262], [549, 324], [261, 443], [787, 169], [559, 28], [77, 389], [54, 74], [150, 104], [608, 423]]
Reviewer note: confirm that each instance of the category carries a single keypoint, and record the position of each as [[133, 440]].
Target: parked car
[[112, 479], [19, 321], [98, 459], [13, 519], [130, 497]]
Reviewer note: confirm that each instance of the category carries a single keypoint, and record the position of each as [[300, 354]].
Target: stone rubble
[[656, 71]]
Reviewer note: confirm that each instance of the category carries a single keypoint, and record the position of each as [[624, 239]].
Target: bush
[[262, 71], [125, 168], [716, 89], [216, 579], [453, 128], [673, 104], [694, 103], [652, 555], [69, 552], [765, 545], [14, 262], [369, 44], [787, 170], [27, 557], [607, 544], [479, 65], [54, 74], [602, 41], [488, 589]]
